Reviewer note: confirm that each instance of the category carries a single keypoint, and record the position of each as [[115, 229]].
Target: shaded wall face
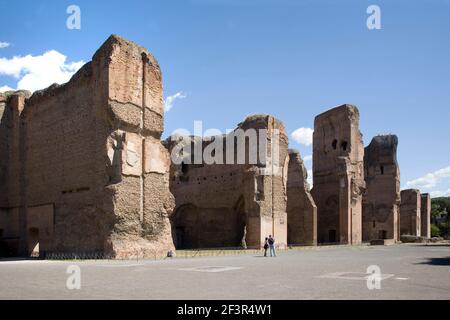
[[215, 188], [338, 175], [381, 211], [425, 215], [301, 209], [58, 147], [410, 213]]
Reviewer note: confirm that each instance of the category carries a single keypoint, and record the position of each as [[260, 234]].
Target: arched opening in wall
[[334, 144], [382, 234], [344, 145], [382, 169], [33, 242], [185, 227], [241, 223], [332, 236]]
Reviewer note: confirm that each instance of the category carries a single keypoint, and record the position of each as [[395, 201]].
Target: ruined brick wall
[[381, 201], [410, 212], [425, 215], [338, 174], [231, 205], [94, 172], [301, 209]]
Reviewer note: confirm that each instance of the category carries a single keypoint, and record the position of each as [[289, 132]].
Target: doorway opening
[[33, 242]]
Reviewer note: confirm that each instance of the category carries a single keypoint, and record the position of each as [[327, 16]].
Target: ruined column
[[410, 212], [381, 200], [338, 154], [425, 215], [301, 209]]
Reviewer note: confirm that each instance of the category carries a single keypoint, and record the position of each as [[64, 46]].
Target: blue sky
[[290, 58]]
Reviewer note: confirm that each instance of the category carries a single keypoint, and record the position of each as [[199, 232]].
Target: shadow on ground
[[437, 261]]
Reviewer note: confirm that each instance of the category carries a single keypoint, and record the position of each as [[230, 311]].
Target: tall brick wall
[[92, 174], [381, 201], [301, 208], [410, 212], [338, 156], [231, 205], [425, 215]]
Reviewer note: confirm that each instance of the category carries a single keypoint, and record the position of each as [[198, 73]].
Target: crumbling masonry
[[301, 208], [234, 204], [83, 173], [86, 173], [381, 201], [425, 215], [338, 173], [410, 211]]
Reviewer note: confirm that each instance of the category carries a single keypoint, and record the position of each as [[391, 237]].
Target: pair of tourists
[[269, 243]]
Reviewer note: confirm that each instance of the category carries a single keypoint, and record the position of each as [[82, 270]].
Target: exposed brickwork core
[[381, 201], [232, 205], [338, 162], [79, 175], [410, 212], [425, 215], [301, 209]]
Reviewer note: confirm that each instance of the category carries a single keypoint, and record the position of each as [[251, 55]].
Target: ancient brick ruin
[[410, 212], [425, 215], [301, 208], [381, 200], [338, 170], [83, 173], [234, 204], [86, 172]]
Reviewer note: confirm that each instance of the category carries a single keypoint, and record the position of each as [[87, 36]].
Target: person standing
[[266, 246], [271, 241]]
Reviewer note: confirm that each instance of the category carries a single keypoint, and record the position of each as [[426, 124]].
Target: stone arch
[[185, 224]]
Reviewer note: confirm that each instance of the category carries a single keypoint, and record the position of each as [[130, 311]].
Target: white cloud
[[168, 102], [307, 158], [6, 88], [430, 180], [310, 178], [303, 136], [4, 45], [38, 72]]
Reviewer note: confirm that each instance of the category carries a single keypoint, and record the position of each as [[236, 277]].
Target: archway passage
[[202, 228], [33, 242]]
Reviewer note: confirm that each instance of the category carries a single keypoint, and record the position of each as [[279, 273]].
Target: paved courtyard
[[408, 272]]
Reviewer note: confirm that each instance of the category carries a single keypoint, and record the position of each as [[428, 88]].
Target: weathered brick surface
[[410, 212], [78, 173], [338, 174], [381, 201], [301, 208], [425, 215], [230, 205]]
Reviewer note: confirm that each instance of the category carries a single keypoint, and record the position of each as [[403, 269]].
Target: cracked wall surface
[[338, 173], [87, 172], [231, 205], [381, 201], [410, 211], [301, 208]]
